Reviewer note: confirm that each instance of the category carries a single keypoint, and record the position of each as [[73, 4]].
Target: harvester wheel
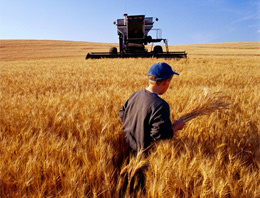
[[157, 49], [113, 50]]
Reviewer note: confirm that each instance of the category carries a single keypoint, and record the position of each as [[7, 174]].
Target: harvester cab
[[133, 36]]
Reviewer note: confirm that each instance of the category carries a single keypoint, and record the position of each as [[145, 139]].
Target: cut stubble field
[[60, 133]]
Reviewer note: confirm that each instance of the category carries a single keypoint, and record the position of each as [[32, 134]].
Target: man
[[146, 116]]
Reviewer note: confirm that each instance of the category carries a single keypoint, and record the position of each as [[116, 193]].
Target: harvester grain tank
[[133, 37]]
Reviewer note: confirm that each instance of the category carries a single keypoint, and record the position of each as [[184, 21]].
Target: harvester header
[[133, 36]]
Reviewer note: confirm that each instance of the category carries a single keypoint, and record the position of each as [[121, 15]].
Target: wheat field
[[60, 133]]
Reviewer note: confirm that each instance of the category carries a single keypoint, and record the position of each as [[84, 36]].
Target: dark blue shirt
[[146, 118]]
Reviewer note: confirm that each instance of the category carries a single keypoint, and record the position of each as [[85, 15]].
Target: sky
[[181, 21]]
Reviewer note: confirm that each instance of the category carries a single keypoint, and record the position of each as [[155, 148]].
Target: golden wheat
[[60, 134], [208, 104]]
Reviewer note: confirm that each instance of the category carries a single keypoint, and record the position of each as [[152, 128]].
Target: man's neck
[[153, 89]]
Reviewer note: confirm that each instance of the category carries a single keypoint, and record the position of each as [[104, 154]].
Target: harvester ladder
[[166, 45]]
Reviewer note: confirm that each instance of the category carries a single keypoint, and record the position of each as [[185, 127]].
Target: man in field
[[146, 116]]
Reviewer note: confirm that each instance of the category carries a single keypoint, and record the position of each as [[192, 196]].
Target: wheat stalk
[[207, 105]]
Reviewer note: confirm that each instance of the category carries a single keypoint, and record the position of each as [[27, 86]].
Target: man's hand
[[178, 125]]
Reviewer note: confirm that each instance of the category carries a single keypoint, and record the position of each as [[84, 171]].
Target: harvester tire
[[113, 51], [157, 49]]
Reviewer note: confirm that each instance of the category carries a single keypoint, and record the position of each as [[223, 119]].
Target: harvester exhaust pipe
[[125, 19]]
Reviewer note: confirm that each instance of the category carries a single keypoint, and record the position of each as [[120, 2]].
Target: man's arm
[[161, 123], [121, 114]]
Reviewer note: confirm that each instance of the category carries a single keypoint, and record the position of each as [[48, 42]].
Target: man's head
[[160, 72], [160, 75]]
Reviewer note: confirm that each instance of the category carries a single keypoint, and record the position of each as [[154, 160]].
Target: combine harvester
[[133, 36]]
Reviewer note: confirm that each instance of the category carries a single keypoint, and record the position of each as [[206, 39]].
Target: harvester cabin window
[[136, 28]]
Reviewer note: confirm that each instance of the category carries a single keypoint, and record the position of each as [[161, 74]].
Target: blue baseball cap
[[161, 71]]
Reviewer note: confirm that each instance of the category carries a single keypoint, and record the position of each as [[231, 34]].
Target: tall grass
[[60, 134]]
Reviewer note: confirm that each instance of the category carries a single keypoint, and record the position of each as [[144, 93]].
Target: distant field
[[60, 134], [38, 49]]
